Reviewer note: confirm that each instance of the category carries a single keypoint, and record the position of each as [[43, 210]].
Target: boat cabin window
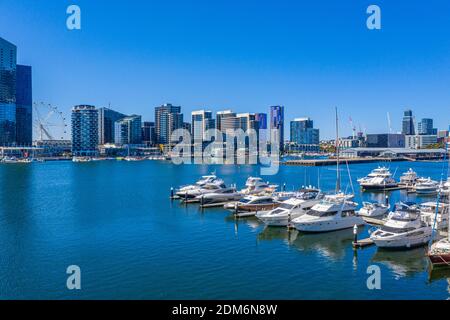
[[395, 230], [348, 213], [316, 213], [286, 206]]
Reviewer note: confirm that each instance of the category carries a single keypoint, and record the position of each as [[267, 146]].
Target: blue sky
[[243, 55]]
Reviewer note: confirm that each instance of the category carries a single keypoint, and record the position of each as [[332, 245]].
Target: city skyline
[[308, 77]]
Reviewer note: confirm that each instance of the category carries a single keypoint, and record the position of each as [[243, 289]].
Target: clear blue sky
[[245, 55]]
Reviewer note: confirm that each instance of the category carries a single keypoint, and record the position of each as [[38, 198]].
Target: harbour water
[[114, 219]]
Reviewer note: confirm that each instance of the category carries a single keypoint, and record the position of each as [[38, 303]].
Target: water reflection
[[331, 245], [402, 263], [283, 234]]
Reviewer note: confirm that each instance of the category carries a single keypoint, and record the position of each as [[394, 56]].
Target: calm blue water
[[115, 221]]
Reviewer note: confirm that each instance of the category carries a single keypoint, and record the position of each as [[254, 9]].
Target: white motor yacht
[[289, 210], [426, 186], [211, 187], [201, 182], [403, 230], [255, 185], [431, 212], [378, 179], [373, 209], [408, 178], [250, 205], [220, 196], [334, 212]]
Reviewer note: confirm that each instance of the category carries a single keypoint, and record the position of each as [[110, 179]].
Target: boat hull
[[440, 260], [402, 242], [327, 225], [375, 187]]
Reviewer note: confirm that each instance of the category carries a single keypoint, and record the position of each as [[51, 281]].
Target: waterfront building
[[246, 121], [24, 106], [106, 124], [84, 130], [226, 120], [425, 127], [277, 122], [393, 153], [385, 140], [303, 132], [53, 148], [261, 118], [8, 65], [128, 130], [201, 122], [408, 123], [420, 141], [168, 118], [148, 133]]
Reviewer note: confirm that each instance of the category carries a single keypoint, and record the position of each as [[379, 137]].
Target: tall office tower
[[168, 118], [425, 127], [106, 125], [277, 122], [148, 133], [408, 123], [201, 122], [128, 130], [24, 106], [84, 130], [246, 121], [8, 61], [226, 120], [303, 132], [261, 118]]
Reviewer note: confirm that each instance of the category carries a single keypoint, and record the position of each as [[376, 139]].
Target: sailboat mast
[[338, 174]]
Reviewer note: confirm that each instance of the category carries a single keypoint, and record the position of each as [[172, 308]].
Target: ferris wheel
[[49, 123]]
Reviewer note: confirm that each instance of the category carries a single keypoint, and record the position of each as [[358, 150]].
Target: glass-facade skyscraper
[[201, 122], [8, 61], [277, 122], [128, 130], [84, 130], [24, 106], [408, 123], [106, 125], [303, 132], [425, 127], [168, 118]]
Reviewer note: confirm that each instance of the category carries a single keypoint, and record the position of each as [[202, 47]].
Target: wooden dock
[[214, 205], [333, 161]]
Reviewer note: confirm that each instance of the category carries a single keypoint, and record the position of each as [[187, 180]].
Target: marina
[[122, 217]]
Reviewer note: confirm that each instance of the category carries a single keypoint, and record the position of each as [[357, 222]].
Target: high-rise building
[[261, 118], [247, 121], [128, 130], [8, 61], [425, 127], [277, 122], [148, 133], [201, 122], [24, 106], [106, 125], [303, 132], [168, 118], [226, 120], [84, 130], [408, 123]]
